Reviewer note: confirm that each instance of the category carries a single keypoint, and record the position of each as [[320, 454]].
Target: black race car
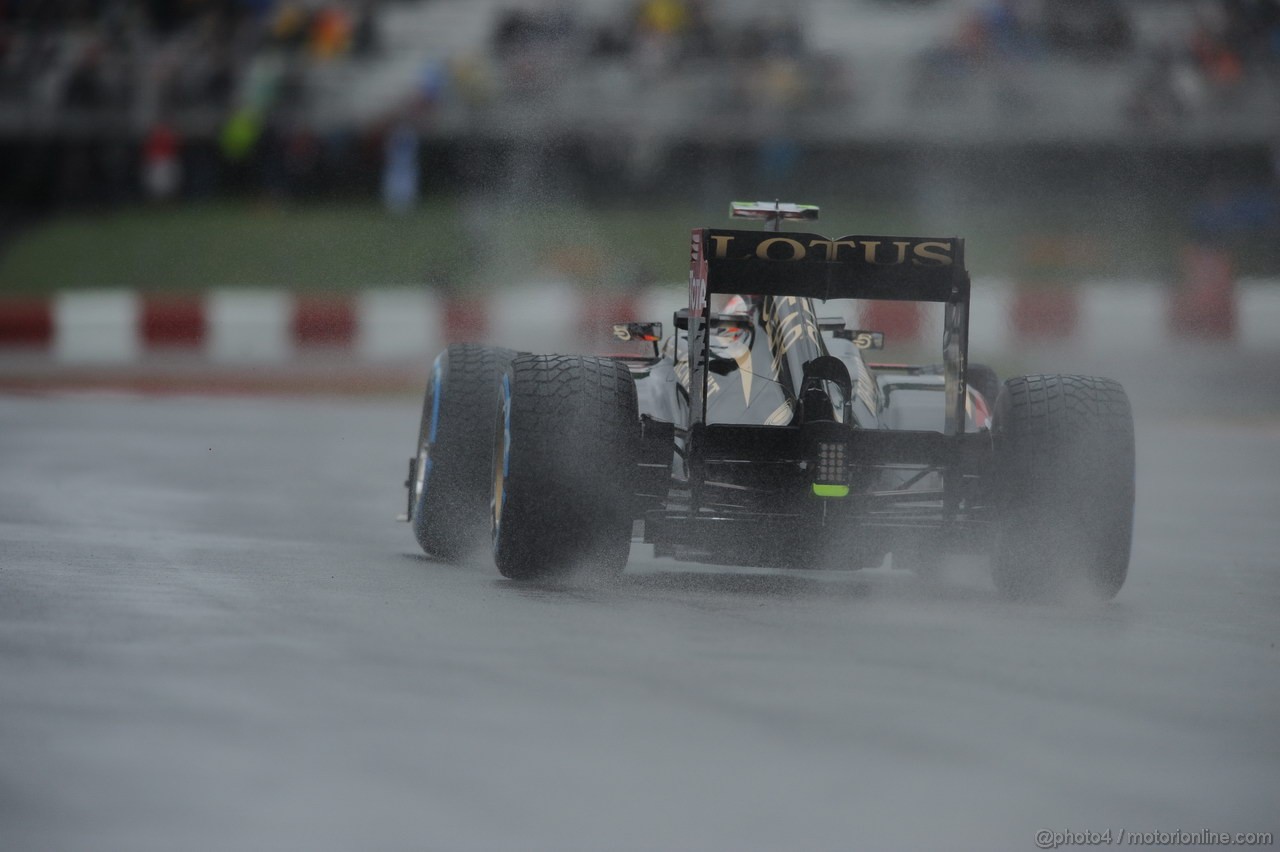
[[758, 434]]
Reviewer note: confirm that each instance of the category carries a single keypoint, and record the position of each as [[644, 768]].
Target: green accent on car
[[831, 490]]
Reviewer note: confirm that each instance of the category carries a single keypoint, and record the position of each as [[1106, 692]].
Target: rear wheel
[[449, 491], [564, 465], [1065, 470]]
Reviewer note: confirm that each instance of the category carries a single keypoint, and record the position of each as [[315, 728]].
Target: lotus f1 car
[[758, 433]]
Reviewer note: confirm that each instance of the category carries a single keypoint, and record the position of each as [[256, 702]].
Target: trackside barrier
[[1204, 304], [1045, 315], [97, 325], [263, 326]]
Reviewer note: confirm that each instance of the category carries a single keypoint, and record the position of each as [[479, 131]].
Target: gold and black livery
[[757, 432], [782, 446]]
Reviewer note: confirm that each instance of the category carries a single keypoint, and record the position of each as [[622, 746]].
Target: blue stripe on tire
[[435, 398]]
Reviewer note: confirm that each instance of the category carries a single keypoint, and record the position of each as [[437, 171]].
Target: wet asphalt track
[[213, 636]]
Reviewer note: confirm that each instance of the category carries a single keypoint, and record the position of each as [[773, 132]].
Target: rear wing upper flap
[[850, 267]]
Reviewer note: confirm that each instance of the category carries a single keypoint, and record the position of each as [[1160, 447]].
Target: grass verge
[[446, 242]]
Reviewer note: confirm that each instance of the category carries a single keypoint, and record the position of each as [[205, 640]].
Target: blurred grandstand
[[1053, 102]]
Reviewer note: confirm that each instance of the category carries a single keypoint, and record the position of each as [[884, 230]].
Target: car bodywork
[[758, 434], [767, 435]]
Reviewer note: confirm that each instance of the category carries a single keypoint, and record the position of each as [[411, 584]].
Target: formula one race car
[[757, 434]]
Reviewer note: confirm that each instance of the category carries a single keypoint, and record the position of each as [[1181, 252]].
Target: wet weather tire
[[565, 457], [1065, 473], [449, 493]]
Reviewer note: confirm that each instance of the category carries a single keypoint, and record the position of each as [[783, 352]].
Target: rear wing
[[771, 263]]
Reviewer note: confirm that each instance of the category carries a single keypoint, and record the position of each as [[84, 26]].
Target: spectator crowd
[[108, 99], [161, 95]]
